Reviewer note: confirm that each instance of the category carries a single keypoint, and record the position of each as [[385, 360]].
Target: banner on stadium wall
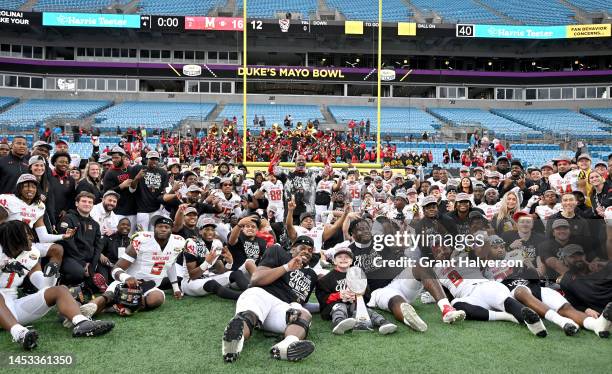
[[19, 19], [532, 32], [129, 21], [588, 31]]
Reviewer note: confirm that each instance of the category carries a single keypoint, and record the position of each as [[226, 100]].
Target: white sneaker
[[387, 328], [344, 326], [426, 298], [412, 319]]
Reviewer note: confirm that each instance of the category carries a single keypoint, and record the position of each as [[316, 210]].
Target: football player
[[208, 266], [146, 262], [279, 287], [18, 260]]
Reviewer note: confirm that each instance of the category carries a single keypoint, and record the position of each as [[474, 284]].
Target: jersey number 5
[[158, 267]]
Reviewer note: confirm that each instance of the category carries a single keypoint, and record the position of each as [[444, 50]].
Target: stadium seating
[[6, 102], [395, 121], [534, 12], [593, 5], [75, 5], [601, 114], [179, 7], [393, 10], [26, 115], [151, 115], [558, 121], [500, 126], [463, 11], [268, 8], [273, 113], [11, 4]]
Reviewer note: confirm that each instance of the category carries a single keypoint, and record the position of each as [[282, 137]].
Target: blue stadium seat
[[593, 5], [179, 7], [11, 4], [28, 114], [367, 10], [559, 122], [93, 6], [151, 115], [273, 113], [395, 121], [601, 114], [534, 12], [268, 8], [500, 126], [6, 102], [459, 11]]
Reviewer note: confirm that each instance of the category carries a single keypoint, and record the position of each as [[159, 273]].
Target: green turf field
[[185, 337]]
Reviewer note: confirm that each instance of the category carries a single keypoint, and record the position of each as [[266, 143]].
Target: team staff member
[[14, 164], [62, 186], [119, 178], [82, 251]]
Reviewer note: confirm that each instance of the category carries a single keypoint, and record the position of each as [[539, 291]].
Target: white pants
[[270, 310], [403, 285], [29, 308], [489, 295], [195, 287], [279, 215], [143, 220], [132, 219], [43, 248], [553, 299]]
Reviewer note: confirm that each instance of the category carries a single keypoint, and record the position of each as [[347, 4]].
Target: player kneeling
[[279, 287], [19, 259], [139, 272], [337, 301], [208, 267]]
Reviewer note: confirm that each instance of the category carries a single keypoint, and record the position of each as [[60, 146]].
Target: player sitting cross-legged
[[279, 287], [139, 272], [18, 260]]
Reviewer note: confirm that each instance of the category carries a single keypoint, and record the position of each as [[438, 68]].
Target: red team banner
[[214, 23]]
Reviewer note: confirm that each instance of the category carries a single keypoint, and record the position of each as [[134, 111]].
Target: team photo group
[[295, 245]]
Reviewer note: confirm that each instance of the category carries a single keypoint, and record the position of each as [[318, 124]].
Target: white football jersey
[[273, 192], [490, 210], [244, 188], [9, 282], [325, 185], [152, 262], [563, 184], [231, 205], [316, 233], [198, 249], [380, 195], [460, 280], [18, 210], [353, 192], [499, 273]]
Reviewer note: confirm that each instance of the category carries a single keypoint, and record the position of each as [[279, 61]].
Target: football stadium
[[306, 186]]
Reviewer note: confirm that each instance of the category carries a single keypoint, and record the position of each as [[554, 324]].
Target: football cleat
[[344, 325], [570, 329], [100, 282], [27, 339], [90, 328], [387, 328], [88, 310], [451, 315], [426, 298], [533, 322], [233, 340], [52, 269], [295, 350], [362, 326], [412, 319], [606, 314]]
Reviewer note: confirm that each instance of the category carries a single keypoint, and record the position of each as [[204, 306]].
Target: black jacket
[[85, 185], [11, 167], [86, 244]]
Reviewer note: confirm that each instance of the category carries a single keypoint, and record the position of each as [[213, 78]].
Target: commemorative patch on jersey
[[33, 256], [64, 225]]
